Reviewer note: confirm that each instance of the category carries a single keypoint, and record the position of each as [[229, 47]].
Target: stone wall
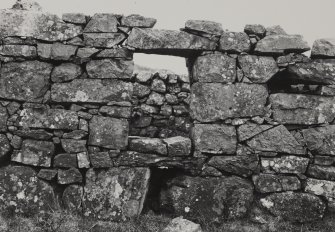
[[249, 133]]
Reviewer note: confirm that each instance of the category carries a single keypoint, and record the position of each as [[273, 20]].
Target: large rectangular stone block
[[108, 132], [92, 91], [302, 109], [167, 41], [48, 118], [214, 101]]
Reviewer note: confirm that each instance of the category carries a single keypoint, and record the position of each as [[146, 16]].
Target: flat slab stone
[[292, 206], [110, 68], [320, 140], [243, 163], [48, 119], [324, 188], [214, 138], [280, 44], [108, 132], [39, 25], [148, 145], [215, 67], [23, 193], [178, 146], [25, 81], [277, 139], [284, 164], [214, 101], [135, 20], [324, 48], [302, 109], [115, 194], [213, 199], [321, 172], [182, 225], [75, 18], [66, 72], [56, 51], [267, 183], [35, 153], [25, 51], [92, 91], [258, 69], [316, 71], [167, 42], [234, 42], [204, 26]]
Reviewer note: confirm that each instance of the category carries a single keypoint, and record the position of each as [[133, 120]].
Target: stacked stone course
[[250, 129]]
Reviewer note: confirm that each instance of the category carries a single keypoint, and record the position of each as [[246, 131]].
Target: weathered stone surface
[[324, 160], [213, 199], [324, 48], [27, 5], [48, 118], [211, 102], [320, 140], [301, 207], [83, 160], [23, 193], [244, 163], [235, 42], [275, 30], [35, 153], [321, 172], [92, 91], [267, 183], [167, 41], [25, 81], [158, 85], [302, 109], [148, 145], [102, 22], [66, 72], [72, 198], [204, 26], [25, 51], [101, 160], [75, 18], [108, 132], [324, 188], [258, 69], [284, 164], [4, 146], [182, 225], [314, 72], [115, 194], [277, 139], [249, 130], [255, 29], [103, 40], [110, 68], [136, 20], [65, 161], [120, 53], [280, 44], [178, 146], [214, 138], [215, 67], [39, 25], [3, 118], [56, 51], [39, 134], [73, 145], [47, 174], [69, 176], [86, 52]]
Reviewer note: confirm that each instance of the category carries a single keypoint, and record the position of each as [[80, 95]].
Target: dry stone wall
[[248, 133]]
